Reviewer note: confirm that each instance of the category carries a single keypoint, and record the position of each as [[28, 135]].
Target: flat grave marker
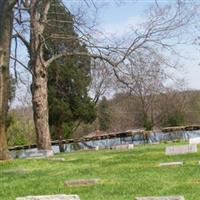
[[81, 182], [50, 197], [171, 164], [181, 149], [161, 198], [56, 159], [16, 170], [123, 146]]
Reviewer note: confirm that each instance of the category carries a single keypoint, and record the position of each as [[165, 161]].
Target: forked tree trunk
[[5, 42], [39, 70]]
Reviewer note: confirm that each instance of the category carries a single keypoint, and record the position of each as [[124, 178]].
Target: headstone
[[81, 182], [97, 148], [161, 198], [182, 149], [16, 170], [40, 153], [123, 146], [56, 159], [50, 197], [130, 146], [155, 143], [171, 164], [194, 140]]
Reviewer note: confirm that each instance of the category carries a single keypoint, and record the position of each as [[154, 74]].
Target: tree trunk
[[5, 42], [39, 71], [40, 106]]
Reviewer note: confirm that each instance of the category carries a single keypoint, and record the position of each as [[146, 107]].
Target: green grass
[[124, 175]]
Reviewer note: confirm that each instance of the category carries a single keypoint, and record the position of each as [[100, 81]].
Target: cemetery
[[99, 100], [140, 173]]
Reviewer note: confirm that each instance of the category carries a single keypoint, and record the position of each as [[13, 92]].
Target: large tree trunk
[[40, 106], [39, 70], [5, 42]]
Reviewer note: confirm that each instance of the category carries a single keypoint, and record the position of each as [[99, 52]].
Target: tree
[[69, 103], [104, 115], [68, 79], [145, 79], [6, 17], [164, 24], [173, 107], [33, 14]]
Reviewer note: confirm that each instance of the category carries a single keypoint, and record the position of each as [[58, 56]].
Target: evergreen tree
[[104, 115], [68, 78]]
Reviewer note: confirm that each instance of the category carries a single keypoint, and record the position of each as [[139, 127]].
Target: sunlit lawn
[[124, 175]]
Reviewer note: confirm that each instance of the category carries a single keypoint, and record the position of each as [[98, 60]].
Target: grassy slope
[[124, 175]]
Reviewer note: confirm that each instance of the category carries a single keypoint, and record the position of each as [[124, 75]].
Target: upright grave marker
[[194, 140], [182, 149]]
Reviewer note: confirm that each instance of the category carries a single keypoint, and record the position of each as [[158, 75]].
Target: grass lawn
[[124, 175]]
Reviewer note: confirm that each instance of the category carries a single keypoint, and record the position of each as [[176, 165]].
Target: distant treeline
[[122, 112]]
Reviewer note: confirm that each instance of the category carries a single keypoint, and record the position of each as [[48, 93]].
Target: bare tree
[[102, 80], [145, 78]]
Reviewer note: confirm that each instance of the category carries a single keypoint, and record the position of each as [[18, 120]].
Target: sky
[[118, 17]]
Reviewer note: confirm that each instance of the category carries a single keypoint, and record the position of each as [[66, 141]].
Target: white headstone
[[97, 148], [182, 149], [194, 140], [161, 198], [130, 146], [50, 197]]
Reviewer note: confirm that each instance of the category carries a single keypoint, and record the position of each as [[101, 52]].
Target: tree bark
[[39, 70], [40, 106], [5, 43]]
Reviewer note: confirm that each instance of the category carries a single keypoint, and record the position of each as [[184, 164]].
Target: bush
[[148, 125], [175, 120], [20, 133]]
